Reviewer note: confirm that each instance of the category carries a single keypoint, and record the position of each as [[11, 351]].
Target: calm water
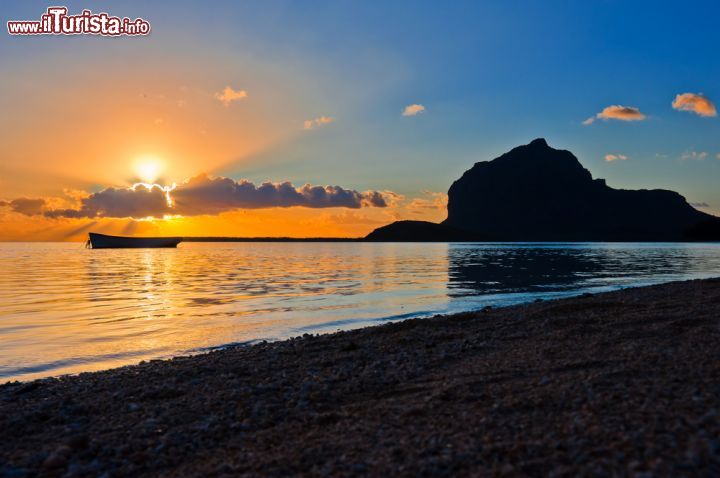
[[64, 309]]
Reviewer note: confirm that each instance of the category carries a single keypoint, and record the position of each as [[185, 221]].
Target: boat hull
[[103, 241]]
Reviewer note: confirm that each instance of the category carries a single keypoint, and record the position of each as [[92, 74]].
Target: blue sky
[[491, 74]]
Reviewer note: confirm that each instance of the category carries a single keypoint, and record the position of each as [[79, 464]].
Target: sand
[[624, 383]]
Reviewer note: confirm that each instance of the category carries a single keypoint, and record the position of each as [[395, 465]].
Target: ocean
[[65, 309]]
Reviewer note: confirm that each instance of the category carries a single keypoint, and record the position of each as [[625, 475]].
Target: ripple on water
[[64, 309]]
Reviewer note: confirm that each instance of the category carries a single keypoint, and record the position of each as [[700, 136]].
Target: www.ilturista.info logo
[[56, 21]]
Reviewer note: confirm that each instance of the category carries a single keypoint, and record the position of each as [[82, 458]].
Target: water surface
[[65, 309]]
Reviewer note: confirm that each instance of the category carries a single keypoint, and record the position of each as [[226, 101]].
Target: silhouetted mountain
[[708, 230], [537, 193], [412, 231]]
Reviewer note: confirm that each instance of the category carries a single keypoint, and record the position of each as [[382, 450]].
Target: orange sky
[[371, 100], [290, 222], [86, 128]]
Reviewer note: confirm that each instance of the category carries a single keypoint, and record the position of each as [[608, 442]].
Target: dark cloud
[[118, 202], [205, 195], [376, 199], [699, 204], [26, 206]]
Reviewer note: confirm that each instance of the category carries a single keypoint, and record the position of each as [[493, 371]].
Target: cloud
[[696, 155], [314, 123], [138, 201], [229, 95], [615, 157], [75, 194], [390, 198], [617, 112], [695, 103], [25, 206], [700, 204], [429, 200], [351, 217], [203, 195], [412, 110]]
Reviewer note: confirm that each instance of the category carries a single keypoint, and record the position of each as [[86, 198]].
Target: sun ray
[[148, 168]]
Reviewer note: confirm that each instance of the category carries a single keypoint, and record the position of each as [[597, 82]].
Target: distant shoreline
[[370, 241], [273, 239], [617, 382]]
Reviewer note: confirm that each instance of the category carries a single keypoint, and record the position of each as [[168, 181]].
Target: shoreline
[[616, 382], [365, 323]]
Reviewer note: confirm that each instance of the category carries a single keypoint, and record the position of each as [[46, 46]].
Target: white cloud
[[228, 95], [615, 157], [317, 122], [412, 110], [696, 155]]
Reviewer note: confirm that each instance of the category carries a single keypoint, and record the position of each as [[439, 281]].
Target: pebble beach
[[619, 383]]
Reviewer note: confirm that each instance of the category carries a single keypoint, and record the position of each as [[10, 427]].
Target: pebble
[[58, 458], [623, 383]]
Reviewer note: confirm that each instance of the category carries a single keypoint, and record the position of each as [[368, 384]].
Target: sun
[[148, 168]]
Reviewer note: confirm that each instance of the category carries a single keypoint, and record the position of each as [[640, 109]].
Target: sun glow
[[166, 189], [148, 168]]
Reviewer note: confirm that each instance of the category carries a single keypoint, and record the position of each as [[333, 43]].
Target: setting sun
[[359, 239], [148, 168]]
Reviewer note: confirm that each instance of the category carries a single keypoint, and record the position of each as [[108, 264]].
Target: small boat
[[103, 241]]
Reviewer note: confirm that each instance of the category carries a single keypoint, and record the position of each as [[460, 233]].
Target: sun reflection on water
[[64, 309]]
